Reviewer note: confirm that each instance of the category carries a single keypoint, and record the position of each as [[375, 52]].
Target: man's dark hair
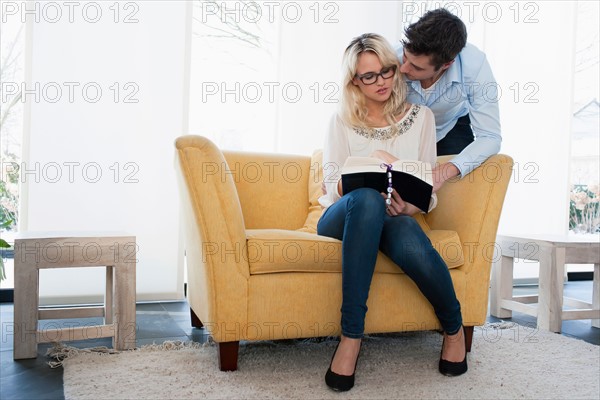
[[438, 33]]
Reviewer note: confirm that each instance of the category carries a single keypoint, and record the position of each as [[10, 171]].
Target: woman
[[376, 121]]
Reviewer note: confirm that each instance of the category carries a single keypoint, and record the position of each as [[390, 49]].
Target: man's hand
[[442, 173]]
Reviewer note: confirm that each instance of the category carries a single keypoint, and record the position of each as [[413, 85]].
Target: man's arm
[[483, 97]]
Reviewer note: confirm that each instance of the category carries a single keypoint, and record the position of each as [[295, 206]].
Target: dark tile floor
[[157, 322]]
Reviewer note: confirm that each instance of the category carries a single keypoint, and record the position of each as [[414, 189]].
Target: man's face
[[419, 68]]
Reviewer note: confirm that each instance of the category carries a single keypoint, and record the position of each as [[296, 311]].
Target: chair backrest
[[272, 188]]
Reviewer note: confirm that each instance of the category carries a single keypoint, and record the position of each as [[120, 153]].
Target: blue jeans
[[359, 220]]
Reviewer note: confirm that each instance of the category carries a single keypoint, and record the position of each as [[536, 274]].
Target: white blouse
[[415, 140]]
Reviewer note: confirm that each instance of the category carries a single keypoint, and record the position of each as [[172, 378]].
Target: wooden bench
[[35, 251], [552, 252]]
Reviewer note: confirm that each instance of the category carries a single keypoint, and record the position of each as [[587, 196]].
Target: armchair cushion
[[277, 250]]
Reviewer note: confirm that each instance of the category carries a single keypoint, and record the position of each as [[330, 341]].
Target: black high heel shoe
[[341, 383], [450, 368]]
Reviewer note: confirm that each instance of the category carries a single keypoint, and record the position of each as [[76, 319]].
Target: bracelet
[[390, 189]]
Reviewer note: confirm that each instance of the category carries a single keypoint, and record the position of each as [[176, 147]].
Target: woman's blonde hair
[[353, 107]]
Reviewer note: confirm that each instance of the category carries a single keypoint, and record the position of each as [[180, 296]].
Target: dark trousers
[[457, 139]]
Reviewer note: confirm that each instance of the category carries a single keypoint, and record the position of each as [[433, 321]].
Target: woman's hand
[[399, 206], [384, 155]]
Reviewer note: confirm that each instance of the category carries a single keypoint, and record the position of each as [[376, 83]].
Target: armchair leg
[[196, 323], [468, 337], [228, 355]]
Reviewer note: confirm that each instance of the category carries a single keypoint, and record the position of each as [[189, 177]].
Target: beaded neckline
[[386, 133]]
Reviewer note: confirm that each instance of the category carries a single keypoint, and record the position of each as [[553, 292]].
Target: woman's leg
[[406, 244], [357, 220]]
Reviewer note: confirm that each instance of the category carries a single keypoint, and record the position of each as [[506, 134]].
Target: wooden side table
[[552, 252], [35, 251]]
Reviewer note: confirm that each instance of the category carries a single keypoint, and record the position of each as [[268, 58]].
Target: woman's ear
[[355, 81]]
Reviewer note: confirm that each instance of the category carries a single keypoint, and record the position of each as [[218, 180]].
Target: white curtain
[[532, 56], [98, 142], [277, 92]]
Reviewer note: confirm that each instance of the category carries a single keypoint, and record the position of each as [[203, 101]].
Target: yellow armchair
[[258, 271]]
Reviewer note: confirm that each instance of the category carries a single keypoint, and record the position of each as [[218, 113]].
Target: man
[[455, 81]]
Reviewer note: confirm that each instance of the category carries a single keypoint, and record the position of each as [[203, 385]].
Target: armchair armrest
[[471, 206], [215, 238]]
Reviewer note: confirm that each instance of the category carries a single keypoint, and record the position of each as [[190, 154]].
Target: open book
[[411, 179]]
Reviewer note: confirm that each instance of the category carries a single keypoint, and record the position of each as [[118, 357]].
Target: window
[[12, 32], [584, 212]]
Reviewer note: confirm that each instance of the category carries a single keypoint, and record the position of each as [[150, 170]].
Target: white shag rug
[[507, 361]]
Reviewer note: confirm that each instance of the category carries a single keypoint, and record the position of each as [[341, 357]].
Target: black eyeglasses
[[371, 77]]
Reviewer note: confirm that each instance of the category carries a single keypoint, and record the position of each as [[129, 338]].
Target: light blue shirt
[[467, 87]]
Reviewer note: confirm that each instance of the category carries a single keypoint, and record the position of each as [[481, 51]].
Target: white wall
[[120, 149], [278, 97], [531, 53], [311, 56], [530, 48]]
